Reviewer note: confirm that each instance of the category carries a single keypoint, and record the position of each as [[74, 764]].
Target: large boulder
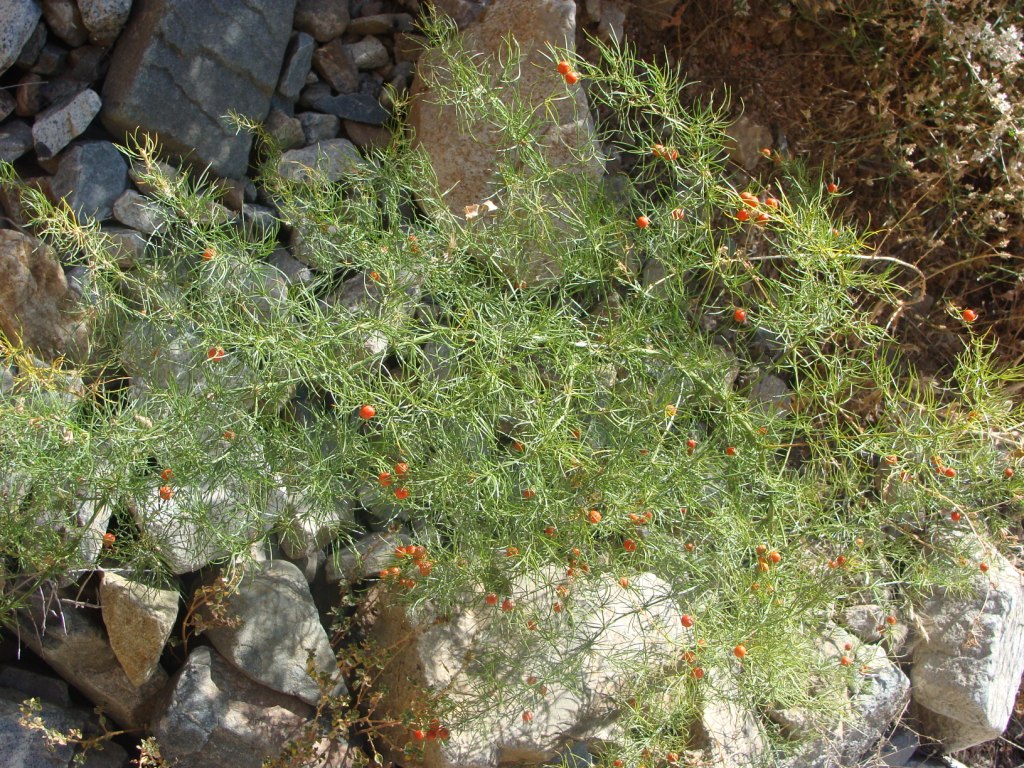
[[216, 717], [481, 656], [275, 631], [177, 78], [465, 158], [20, 18], [968, 661], [37, 308]]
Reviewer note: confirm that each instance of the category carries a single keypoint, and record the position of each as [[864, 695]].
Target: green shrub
[[521, 408]]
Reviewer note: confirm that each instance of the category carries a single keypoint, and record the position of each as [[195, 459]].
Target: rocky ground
[[75, 76]]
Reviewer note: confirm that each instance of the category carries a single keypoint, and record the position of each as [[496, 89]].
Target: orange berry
[[749, 199], [108, 540], [730, 451], [229, 434], [678, 214], [209, 254], [367, 412], [594, 517], [739, 315], [527, 716], [643, 222], [954, 516], [401, 493], [686, 620], [629, 545], [1008, 473], [983, 567], [739, 651], [969, 315], [564, 67], [763, 218], [697, 673], [771, 202], [166, 492], [761, 549], [215, 353], [572, 78], [832, 187], [384, 478], [529, 493], [743, 214], [511, 551], [508, 605], [167, 474], [624, 582], [891, 620], [845, 661], [401, 469], [775, 557], [491, 599]]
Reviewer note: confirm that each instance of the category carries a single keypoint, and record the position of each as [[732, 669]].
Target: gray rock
[[20, 19], [278, 629], [606, 629], [73, 642], [297, 62], [56, 126], [968, 662], [90, 177], [367, 136], [15, 140], [104, 18], [65, 21], [138, 212], [368, 53], [285, 130], [323, 19], [333, 159], [772, 394], [381, 24], [313, 523], [86, 64], [51, 689], [258, 223], [51, 60], [35, 94], [171, 76], [728, 732], [409, 47], [139, 619], [879, 696], [317, 127], [335, 64], [36, 305], [364, 558], [28, 748], [293, 269], [7, 105], [216, 717], [204, 522], [33, 47], [361, 107], [126, 246]]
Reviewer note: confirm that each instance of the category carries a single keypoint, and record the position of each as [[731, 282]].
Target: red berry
[[678, 214], [763, 218], [891, 620], [375, 276], [750, 199], [624, 582], [594, 517], [108, 540], [690, 445], [739, 315], [743, 214], [761, 549], [529, 493], [1008, 473], [775, 557], [419, 735], [629, 545], [845, 661], [686, 620], [491, 599], [556, 607], [401, 493], [832, 187], [672, 758], [229, 434], [367, 412], [401, 469], [841, 561], [949, 472], [550, 531], [571, 78], [643, 222], [739, 651], [771, 202], [969, 315], [527, 716], [617, 763], [983, 567], [564, 67], [690, 546], [167, 474], [166, 492], [730, 451], [215, 353], [954, 516], [508, 605], [384, 478], [697, 673], [209, 254]]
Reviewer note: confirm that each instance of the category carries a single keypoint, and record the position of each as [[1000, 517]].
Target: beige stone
[[139, 619]]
